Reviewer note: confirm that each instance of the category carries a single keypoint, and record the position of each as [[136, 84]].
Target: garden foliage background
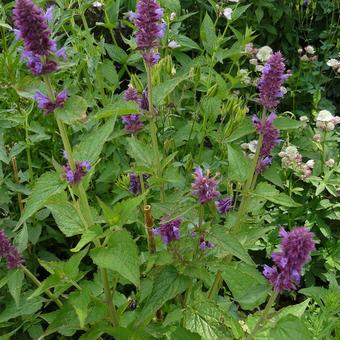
[[112, 277]]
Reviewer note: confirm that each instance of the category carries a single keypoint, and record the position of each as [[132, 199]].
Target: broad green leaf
[[296, 310], [161, 91], [116, 53], [14, 283], [183, 334], [168, 284], [238, 164], [66, 217], [108, 71], [92, 143], [121, 256], [248, 286], [88, 236], [245, 128], [290, 328], [47, 185], [186, 43], [74, 109], [270, 193], [237, 12], [119, 108], [3, 154], [80, 301], [25, 308], [28, 86], [284, 123], [4, 25], [140, 152], [171, 5], [208, 34], [227, 244]]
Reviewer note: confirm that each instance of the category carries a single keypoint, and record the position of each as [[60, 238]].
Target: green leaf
[[290, 328], [116, 53], [270, 193], [228, 245], [14, 283], [4, 25], [208, 34], [28, 86], [168, 284], [66, 216], [284, 123], [238, 12], [3, 154], [47, 185], [74, 109], [92, 144], [80, 301], [249, 287], [186, 43], [245, 128], [88, 236], [183, 334], [161, 91], [119, 108], [108, 71], [238, 165], [121, 256], [139, 152]]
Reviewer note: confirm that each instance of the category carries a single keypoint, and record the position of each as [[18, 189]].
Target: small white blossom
[[259, 68], [227, 12], [97, 4], [310, 163], [236, 1], [173, 16], [173, 44], [317, 138], [245, 146], [310, 49], [264, 53], [333, 63], [304, 119], [253, 61], [324, 116], [252, 146], [300, 50], [330, 163], [283, 90]]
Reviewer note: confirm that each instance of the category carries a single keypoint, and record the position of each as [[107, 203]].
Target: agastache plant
[[9, 252], [295, 249]]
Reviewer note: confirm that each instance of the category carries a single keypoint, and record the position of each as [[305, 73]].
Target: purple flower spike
[[224, 205], [135, 184], [204, 244], [168, 230], [131, 94], [150, 28], [74, 177], [30, 20], [204, 187], [47, 105], [9, 252], [272, 78], [132, 123], [296, 247], [263, 164]]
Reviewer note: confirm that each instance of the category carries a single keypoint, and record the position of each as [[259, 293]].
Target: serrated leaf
[[47, 185], [121, 256], [208, 34], [92, 143], [248, 286], [119, 108], [88, 236], [168, 284], [228, 245], [140, 152], [74, 109], [80, 301], [238, 164], [28, 86], [161, 91], [14, 283], [290, 328]]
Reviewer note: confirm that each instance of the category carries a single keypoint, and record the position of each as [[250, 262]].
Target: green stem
[[216, 285], [108, 297], [264, 317], [153, 130], [29, 274]]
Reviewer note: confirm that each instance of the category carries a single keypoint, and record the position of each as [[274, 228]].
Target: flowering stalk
[[149, 225], [264, 317]]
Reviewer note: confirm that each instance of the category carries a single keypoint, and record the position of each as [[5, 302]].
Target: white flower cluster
[[326, 121], [334, 64], [251, 146], [307, 53]]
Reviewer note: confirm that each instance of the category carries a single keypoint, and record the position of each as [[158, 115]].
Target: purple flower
[[168, 230], [144, 101], [74, 177], [270, 139], [132, 123], [31, 22], [135, 184], [131, 94], [204, 187], [36, 65], [150, 28], [47, 105], [9, 252], [204, 244], [296, 247], [224, 205], [271, 81]]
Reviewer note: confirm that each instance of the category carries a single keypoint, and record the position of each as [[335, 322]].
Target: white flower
[[97, 4], [245, 146], [310, 163], [234, 1], [310, 49], [252, 146], [291, 151], [333, 63], [249, 48], [300, 50], [304, 119], [304, 58], [330, 126], [253, 61], [173, 16], [227, 13], [259, 68], [324, 116], [330, 163], [264, 53], [173, 44], [317, 138], [283, 90]]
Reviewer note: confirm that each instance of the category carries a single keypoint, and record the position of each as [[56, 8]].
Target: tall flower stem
[[149, 225], [153, 130], [249, 183], [264, 317], [29, 274], [84, 205]]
